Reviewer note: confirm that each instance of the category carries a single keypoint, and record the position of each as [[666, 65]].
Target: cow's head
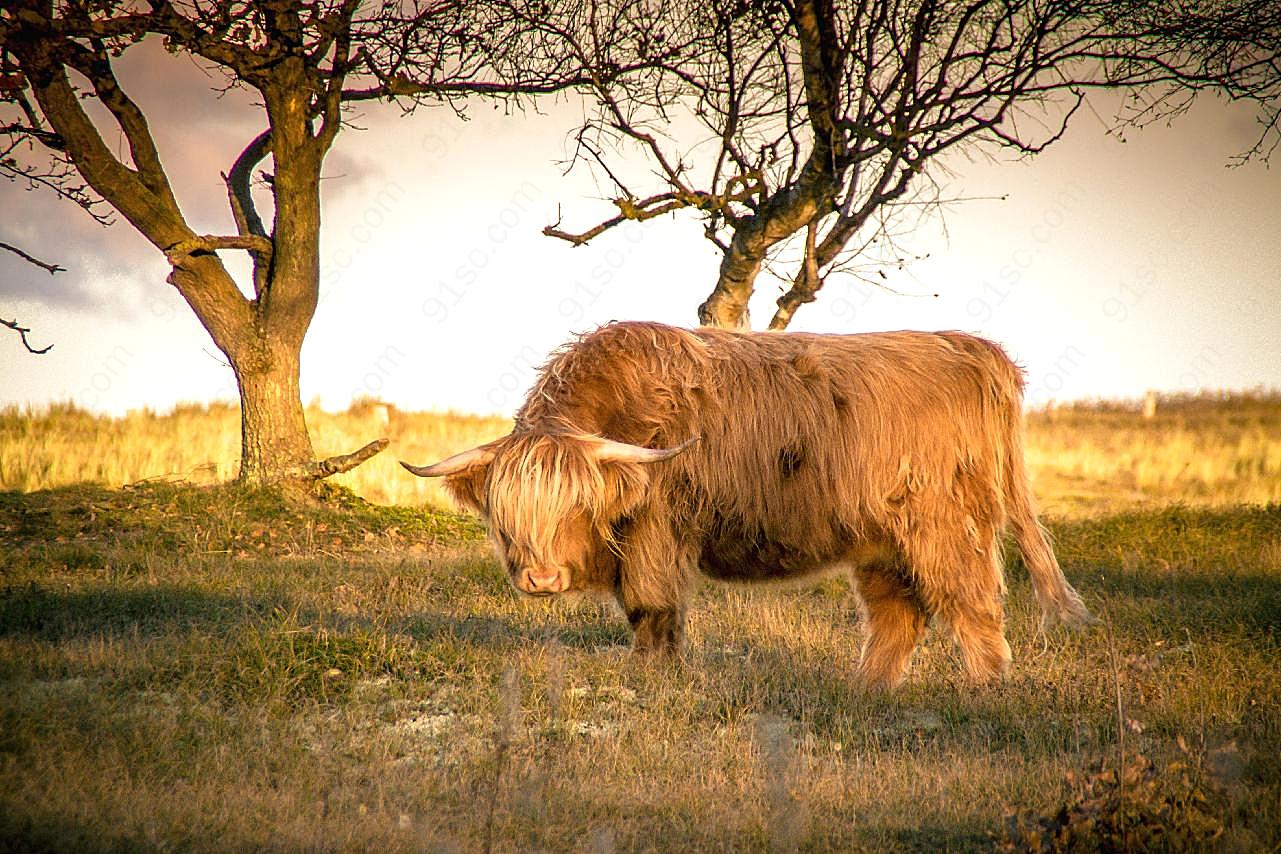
[[551, 501]]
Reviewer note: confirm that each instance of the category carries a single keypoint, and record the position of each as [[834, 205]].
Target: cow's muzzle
[[541, 583]]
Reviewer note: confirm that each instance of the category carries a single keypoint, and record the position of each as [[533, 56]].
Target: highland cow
[[646, 453]]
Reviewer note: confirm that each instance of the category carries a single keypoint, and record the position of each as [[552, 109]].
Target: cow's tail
[[1059, 602]]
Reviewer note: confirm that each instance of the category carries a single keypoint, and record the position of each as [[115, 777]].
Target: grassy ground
[[205, 667]]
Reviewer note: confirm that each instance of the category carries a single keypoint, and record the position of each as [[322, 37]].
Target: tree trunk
[[726, 307], [790, 208], [786, 213], [275, 444]]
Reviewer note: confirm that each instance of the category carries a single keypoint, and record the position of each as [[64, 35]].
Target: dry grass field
[[1091, 458], [211, 668], [200, 444], [1204, 449]]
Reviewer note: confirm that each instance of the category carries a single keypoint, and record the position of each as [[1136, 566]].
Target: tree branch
[[805, 286], [158, 219], [22, 333], [205, 244], [815, 28], [343, 462], [639, 210], [338, 23], [51, 268], [239, 184], [142, 147]]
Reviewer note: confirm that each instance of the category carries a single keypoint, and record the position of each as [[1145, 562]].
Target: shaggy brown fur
[[898, 454]]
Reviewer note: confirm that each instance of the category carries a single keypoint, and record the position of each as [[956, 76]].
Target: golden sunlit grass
[[215, 667], [200, 444], [1202, 450]]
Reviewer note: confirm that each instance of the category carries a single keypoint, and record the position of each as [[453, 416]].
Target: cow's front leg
[[655, 572], [657, 631]]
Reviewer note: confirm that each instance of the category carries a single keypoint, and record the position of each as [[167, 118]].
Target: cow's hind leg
[[958, 572], [979, 628], [894, 623]]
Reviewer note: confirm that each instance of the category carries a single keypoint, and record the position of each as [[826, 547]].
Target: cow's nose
[[548, 581]]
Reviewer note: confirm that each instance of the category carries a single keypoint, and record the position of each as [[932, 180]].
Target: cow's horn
[[607, 450], [456, 463]]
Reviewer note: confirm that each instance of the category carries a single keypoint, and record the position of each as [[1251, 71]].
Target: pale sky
[[1109, 270]]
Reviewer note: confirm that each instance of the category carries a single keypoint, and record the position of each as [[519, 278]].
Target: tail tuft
[[1067, 610], [1059, 602]]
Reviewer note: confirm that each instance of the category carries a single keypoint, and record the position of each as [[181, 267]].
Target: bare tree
[[1229, 49], [800, 131], [304, 61]]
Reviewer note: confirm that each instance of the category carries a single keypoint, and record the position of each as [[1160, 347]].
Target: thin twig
[[508, 712], [1120, 726], [22, 333], [52, 268]]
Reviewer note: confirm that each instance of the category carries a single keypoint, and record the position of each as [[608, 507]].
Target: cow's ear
[[464, 475], [467, 487], [626, 485]]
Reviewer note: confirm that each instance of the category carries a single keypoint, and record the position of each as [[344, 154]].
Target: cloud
[[199, 127], [58, 232]]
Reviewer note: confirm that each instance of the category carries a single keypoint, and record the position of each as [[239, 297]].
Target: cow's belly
[[737, 558], [733, 552]]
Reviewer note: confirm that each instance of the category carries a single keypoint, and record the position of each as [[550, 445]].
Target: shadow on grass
[[35, 612], [938, 837], [1206, 605], [37, 830], [932, 711], [507, 633], [1211, 572]]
